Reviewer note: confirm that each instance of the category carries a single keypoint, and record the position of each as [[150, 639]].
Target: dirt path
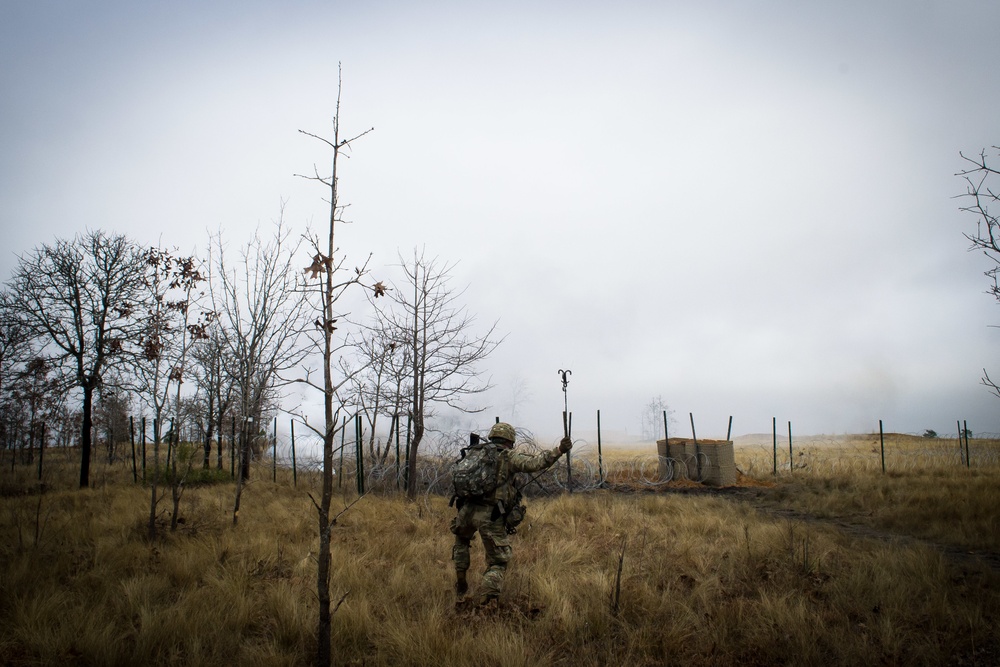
[[955, 554], [958, 555]]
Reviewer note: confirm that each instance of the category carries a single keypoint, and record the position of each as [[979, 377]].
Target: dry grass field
[[764, 573]]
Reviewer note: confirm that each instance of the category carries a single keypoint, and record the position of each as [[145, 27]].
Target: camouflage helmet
[[503, 431]]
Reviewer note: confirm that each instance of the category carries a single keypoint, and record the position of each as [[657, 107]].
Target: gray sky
[[744, 207]]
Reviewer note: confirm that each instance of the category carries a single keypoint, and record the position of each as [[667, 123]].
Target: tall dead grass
[[702, 581], [927, 491]]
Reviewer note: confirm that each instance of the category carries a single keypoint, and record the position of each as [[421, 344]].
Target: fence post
[[406, 468], [170, 441], [12, 445], [156, 449], [274, 453], [131, 431], [359, 453], [143, 439], [774, 436], [175, 432], [568, 428], [961, 449], [697, 449], [395, 418], [206, 459], [218, 454], [232, 450], [791, 461], [41, 449], [28, 452], [600, 459], [729, 431], [968, 455], [343, 439], [240, 456], [295, 476], [881, 437]]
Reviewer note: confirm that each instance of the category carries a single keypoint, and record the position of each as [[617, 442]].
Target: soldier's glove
[[565, 445]]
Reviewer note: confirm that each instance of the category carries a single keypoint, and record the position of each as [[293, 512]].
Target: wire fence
[[835, 455], [377, 468], [638, 466], [585, 470]]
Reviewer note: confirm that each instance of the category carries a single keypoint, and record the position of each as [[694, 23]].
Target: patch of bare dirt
[[951, 552], [755, 495]]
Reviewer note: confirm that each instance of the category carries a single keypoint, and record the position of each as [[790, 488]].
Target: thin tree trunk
[[209, 431], [324, 559], [41, 450], [88, 423], [418, 413], [175, 485], [221, 428], [156, 474], [240, 477], [418, 435], [245, 451]]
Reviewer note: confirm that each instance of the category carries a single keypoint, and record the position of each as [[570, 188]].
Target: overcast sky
[[746, 208]]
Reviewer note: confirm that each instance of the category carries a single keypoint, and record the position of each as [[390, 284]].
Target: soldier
[[496, 513]]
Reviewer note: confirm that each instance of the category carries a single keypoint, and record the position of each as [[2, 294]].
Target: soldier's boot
[[461, 584], [488, 601]]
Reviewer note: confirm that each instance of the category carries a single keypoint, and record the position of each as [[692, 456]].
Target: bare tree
[[215, 386], [111, 411], [383, 385], [15, 351], [35, 395], [193, 416], [77, 297], [375, 373], [174, 317], [426, 318], [65, 425], [260, 312], [652, 418], [15, 345], [326, 281], [518, 394], [982, 179], [193, 328]]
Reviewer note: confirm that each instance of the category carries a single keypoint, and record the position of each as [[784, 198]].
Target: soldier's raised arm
[[522, 462]]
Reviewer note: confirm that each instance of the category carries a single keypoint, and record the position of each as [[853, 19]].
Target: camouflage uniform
[[487, 517]]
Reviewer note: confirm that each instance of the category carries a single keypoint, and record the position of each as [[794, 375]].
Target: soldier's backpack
[[476, 474]]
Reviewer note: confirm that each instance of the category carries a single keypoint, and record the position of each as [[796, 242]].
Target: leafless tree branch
[[984, 199]]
